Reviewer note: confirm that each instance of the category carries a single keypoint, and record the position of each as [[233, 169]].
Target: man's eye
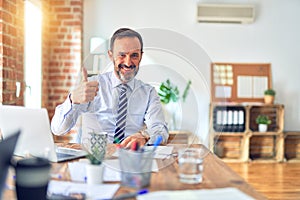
[[135, 55]]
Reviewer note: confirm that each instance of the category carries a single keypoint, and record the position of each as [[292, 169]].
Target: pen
[[157, 142], [130, 195], [134, 146]]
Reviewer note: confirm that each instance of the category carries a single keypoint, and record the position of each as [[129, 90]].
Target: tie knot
[[123, 88]]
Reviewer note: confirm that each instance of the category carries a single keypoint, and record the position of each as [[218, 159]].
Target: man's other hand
[[137, 137]]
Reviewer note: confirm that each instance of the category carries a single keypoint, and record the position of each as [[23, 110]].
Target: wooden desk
[[216, 175]]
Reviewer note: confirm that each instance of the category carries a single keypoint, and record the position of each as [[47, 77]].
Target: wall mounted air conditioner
[[225, 13]]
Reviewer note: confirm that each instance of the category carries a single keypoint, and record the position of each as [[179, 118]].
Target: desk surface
[[216, 175]]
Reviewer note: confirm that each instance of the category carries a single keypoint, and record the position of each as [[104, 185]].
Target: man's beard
[[127, 77]]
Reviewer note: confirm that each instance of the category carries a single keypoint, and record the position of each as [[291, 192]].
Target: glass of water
[[190, 165]]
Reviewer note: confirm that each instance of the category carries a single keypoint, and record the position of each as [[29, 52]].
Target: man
[[112, 94]]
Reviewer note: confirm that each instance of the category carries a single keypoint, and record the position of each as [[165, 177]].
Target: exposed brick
[[62, 22], [62, 9], [65, 16], [76, 2]]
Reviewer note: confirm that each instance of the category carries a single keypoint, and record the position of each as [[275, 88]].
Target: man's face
[[126, 56]]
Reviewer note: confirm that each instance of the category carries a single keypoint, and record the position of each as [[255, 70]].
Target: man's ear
[[110, 54], [141, 55]]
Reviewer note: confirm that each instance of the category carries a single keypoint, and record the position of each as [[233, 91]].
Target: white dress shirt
[[144, 108]]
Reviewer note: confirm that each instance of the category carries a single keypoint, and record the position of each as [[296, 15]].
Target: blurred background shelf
[[234, 135]]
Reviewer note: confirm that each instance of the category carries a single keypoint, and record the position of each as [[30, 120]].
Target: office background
[[272, 38], [68, 25]]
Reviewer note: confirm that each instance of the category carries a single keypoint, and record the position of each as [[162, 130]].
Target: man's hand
[[137, 137], [86, 91]]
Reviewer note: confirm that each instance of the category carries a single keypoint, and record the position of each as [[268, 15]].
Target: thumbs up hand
[[85, 91]]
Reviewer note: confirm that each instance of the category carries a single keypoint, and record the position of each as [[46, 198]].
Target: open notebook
[[36, 138]]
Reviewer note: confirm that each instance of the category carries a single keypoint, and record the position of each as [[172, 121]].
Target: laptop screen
[[7, 147], [35, 138]]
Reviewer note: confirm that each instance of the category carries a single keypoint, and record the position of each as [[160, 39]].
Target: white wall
[[274, 37]]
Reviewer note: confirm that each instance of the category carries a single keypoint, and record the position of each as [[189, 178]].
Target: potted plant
[[94, 169], [269, 96], [263, 121], [169, 97]]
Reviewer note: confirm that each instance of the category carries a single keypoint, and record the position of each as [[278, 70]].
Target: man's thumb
[[84, 74]]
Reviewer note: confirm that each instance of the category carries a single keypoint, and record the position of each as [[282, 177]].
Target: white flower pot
[[173, 115], [94, 173], [262, 127]]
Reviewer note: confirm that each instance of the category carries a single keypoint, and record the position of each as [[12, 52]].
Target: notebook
[[36, 138], [7, 147]]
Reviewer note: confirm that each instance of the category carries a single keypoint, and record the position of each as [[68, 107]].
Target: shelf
[[249, 144], [229, 134], [292, 146], [275, 112], [266, 133]]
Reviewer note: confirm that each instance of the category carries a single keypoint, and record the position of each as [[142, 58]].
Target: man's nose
[[127, 60]]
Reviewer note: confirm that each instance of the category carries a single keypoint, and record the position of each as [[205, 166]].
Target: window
[[33, 53]]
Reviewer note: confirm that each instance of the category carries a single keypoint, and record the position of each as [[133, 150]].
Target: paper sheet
[[98, 191], [203, 194], [114, 165], [111, 170], [260, 84], [161, 152], [244, 86]]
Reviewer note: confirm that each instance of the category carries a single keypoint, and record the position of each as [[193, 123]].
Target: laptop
[[7, 147], [36, 138]]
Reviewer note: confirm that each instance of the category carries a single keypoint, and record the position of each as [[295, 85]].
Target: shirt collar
[[116, 81]]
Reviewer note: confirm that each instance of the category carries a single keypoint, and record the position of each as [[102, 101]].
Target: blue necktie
[[121, 117]]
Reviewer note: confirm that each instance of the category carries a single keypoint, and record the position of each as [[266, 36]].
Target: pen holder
[[135, 167]]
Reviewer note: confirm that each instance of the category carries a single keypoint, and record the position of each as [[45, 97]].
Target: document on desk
[[161, 152], [205, 194], [98, 191], [112, 171]]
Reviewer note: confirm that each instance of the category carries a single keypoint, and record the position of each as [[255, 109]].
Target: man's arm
[[154, 124], [66, 115], [77, 102]]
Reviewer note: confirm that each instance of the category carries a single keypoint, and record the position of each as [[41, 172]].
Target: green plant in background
[[169, 92], [270, 92], [263, 119]]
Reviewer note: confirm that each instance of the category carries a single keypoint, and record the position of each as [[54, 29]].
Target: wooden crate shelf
[[275, 114], [247, 144], [266, 148], [231, 148], [292, 146]]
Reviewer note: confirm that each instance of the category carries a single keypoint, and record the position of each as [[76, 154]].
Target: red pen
[[133, 146]]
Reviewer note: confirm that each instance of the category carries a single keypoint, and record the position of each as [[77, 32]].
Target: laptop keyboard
[[63, 155]]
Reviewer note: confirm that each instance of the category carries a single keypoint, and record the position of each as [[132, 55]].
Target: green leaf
[[169, 92], [186, 90]]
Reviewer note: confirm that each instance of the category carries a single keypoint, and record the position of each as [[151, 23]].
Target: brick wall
[[11, 51], [62, 49]]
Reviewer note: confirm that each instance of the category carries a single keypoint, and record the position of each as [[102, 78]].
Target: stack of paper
[[98, 191], [204, 194]]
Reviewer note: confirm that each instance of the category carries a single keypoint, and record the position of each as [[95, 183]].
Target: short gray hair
[[125, 32]]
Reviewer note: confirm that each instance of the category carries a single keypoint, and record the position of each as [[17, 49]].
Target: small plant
[[263, 119], [169, 92], [96, 156], [270, 92]]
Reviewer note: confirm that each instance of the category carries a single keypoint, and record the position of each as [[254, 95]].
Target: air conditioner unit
[[225, 13]]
